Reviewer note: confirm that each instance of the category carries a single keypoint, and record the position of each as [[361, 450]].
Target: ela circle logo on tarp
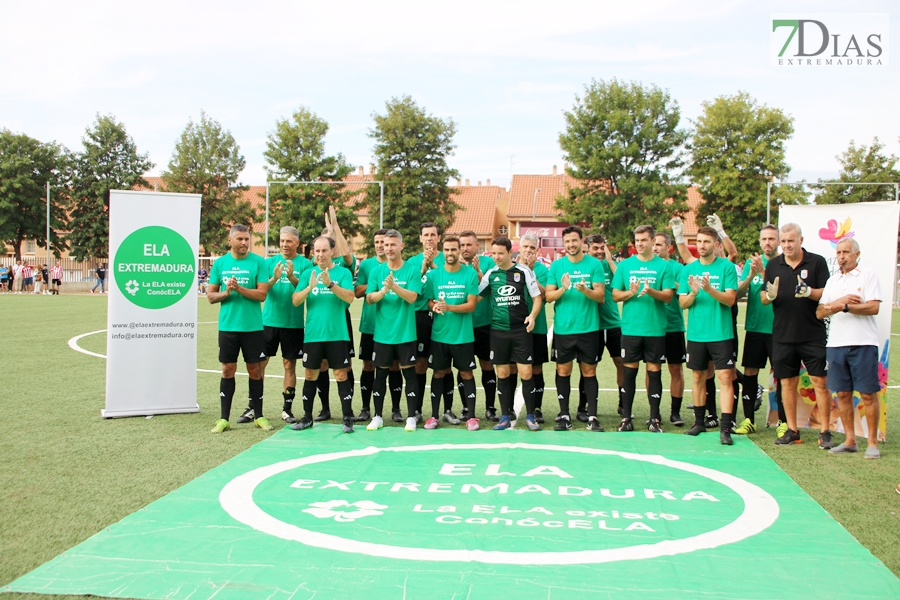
[[514, 503], [154, 267]]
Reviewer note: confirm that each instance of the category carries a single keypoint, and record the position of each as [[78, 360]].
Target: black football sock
[[782, 416], [591, 391], [538, 379], [504, 395], [422, 382], [379, 387], [345, 391], [748, 399], [528, 395], [437, 391], [676, 404], [226, 395], [448, 391], [469, 395], [727, 421], [366, 381], [711, 396], [629, 385], [582, 397], [654, 392], [256, 397], [289, 395], [308, 397], [563, 391], [412, 391], [621, 394], [489, 383], [513, 383], [699, 413], [323, 384], [395, 380]]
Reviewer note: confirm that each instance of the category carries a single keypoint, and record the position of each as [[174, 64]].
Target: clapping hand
[[802, 290], [772, 289]]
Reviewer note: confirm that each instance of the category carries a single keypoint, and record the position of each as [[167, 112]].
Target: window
[[30, 247], [503, 230]]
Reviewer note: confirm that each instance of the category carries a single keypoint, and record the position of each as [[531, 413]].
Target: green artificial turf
[[66, 473]]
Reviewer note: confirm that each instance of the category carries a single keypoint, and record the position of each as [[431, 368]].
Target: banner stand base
[[115, 414]]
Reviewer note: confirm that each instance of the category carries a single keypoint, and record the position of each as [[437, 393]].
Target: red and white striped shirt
[[27, 271], [56, 273]]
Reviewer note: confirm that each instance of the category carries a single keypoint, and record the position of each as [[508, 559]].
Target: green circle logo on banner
[[154, 267], [518, 504]]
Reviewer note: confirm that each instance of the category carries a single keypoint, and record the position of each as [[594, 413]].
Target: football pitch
[[67, 474]]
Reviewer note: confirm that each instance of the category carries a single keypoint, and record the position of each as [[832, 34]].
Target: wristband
[[846, 308], [330, 285]]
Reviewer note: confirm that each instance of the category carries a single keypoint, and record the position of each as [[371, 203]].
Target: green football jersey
[[325, 320], [395, 318], [708, 319], [759, 316], [367, 321], [237, 313], [609, 309], [510, 293], [279, 310], [482, 315], [542, 274], [573, 312], [644, 316], [674, 312], [422, 302], [452, 288]]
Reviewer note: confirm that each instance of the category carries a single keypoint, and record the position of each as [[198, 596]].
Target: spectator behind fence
[[101, 279]]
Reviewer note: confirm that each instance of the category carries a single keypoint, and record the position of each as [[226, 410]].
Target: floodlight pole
[[269, 183], [769, 185]]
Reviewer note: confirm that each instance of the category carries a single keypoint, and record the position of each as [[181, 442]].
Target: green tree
[[861, 164], [411, 151], [109, 161], [295, 151], [208, 161], [26, 166], [624, 148], [736, 149]]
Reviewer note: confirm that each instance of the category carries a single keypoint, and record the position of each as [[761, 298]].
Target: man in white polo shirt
[[851, 299]]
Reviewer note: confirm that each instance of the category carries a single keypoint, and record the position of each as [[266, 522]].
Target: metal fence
[[73, 270]]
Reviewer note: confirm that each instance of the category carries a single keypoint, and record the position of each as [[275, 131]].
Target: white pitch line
[[518, 403]]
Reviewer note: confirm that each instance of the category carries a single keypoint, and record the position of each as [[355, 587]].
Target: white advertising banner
[[874, 226], [151, 339]]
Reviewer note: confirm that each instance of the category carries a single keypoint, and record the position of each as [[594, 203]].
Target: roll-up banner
[[151, 339], [874, 226]]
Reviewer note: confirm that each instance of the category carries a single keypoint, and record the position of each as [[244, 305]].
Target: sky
[[505, 72]]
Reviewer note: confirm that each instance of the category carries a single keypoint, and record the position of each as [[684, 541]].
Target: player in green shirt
[[676, 351], [644, 285], [429, 258], [528, 257], [757, 327], [708, 290], [481, 324], [452, 293], [394, 287], [282, 321], [610, 333], [343, 257], [367, 338], [576, 287], [327, 290], [515, 303], [240, 322]]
